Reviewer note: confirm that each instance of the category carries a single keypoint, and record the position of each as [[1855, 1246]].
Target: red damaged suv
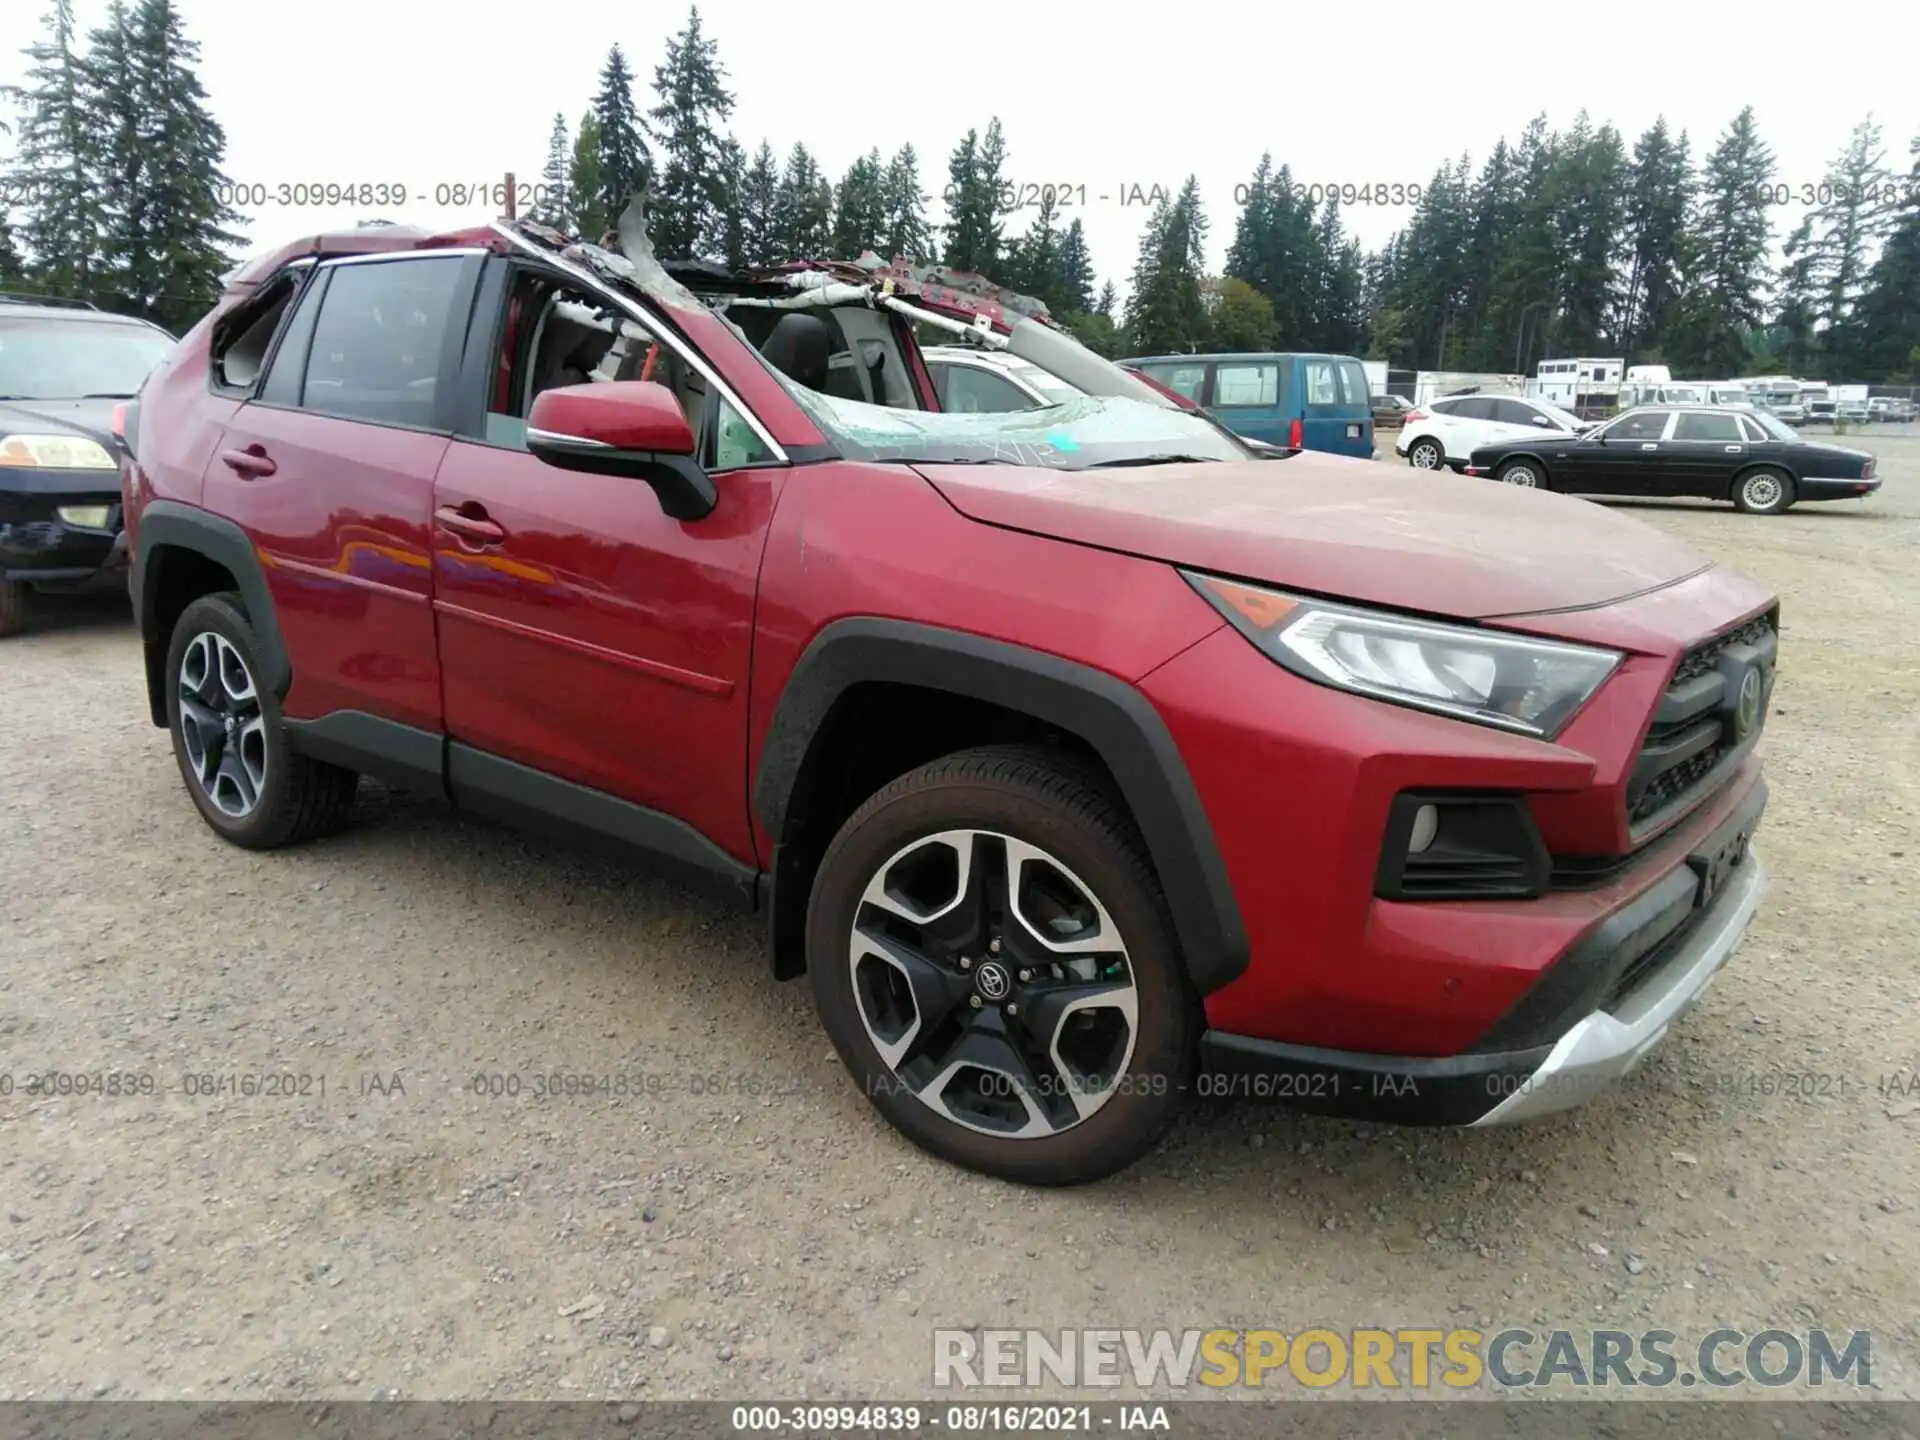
[[1082, 758]]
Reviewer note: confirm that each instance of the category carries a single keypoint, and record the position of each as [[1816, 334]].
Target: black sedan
[[1711, 452]]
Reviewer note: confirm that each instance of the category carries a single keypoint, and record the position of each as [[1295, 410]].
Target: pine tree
[[555, 202], [1849, 227], [53, 164], [1032, 265], [625, 162], [1732, 234], [587, 218], [1793, 344], [1592, 220], [1532, 265], [970, 228], [1429, 284], [860, 209], [1076, 271], [907, 233], [730, 225], [1659, 201], [1104, 305], [1339, 322], [1274, 250], [693, 101], [759, 208], [803, 210], [166, 241], [1165, 311], [10, 266], [1888, 314]]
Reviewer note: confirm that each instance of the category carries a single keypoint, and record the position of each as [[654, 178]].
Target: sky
[[428, 96]]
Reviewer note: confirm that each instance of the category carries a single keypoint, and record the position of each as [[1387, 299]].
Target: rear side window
[[1707, 427], [1512, 412], [1443, 407], [1353, 382], [1474, 407], [1322, 385], [380, 339], [1245, 385], [1185, 379], [971, 390]]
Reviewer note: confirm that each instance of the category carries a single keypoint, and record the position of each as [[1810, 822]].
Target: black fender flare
[[170, 524], [1106, 712]]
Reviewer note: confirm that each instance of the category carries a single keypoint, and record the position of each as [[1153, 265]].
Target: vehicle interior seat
[[801, 347]]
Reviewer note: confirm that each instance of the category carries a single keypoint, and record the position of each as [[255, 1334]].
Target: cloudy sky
[[430, 96]]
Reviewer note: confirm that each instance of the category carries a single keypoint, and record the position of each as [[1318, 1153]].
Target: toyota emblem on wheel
[[993, 981]]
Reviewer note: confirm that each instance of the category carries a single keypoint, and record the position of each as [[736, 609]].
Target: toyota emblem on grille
[[1746, 709]]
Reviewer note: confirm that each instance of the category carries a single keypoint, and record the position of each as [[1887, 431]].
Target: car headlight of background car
[[86, 517], [1510, 681], [56, 452]]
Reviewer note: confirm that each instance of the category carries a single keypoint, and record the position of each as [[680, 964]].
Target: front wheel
[[1426, 454], [1762, 492], [1524, 473], [993, 959], [231, 742]]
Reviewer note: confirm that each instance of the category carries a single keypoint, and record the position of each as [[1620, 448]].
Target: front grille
[[1694, 732]]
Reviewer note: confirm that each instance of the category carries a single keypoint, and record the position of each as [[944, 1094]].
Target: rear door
[[1706, 448], [1329, 420], [1246, 395], [329, 469], [1357, 396]]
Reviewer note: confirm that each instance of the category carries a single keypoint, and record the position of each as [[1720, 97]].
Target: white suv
[[1447, 431]]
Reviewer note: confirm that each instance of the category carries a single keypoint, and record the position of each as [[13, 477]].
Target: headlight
[[1509, 681], [58, 452], [87, 517]]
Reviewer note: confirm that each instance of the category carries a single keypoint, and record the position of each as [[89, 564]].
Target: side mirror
[[1543, 422], [624, 427]]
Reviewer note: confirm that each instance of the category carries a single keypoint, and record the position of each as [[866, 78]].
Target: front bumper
[[40, 548], [1610, 999]]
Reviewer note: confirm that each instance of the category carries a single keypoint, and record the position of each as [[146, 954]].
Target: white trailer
[[1583, 380]]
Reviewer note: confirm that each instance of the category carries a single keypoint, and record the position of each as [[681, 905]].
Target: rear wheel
[[231, 742], [992, 957], [1763, 492], [1525, 473], [1426, 454], [13, 606]]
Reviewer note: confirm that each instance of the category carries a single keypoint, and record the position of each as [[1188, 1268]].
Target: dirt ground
[[753, 1229]]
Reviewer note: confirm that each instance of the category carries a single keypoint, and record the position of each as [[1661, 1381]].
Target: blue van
[[1304, 402]]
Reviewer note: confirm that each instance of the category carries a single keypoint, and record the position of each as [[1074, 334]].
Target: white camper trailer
[[1583, 380]]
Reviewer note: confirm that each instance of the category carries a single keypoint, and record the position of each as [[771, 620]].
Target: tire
[[1763, 492], [973, 966], [260, 795], [1528, 474], [1426, 453], [13, 607]]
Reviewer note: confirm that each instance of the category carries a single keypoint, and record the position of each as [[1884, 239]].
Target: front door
[[1616, 460], [584, 634]]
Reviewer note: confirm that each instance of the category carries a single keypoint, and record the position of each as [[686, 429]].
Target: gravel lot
[[403, 1235]]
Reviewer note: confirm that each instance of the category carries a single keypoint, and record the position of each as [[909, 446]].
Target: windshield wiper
[[1154, 460]]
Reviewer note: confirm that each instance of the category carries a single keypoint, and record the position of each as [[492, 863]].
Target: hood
[[1354, 529], [93, 418]]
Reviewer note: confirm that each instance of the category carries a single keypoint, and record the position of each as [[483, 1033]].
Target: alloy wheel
[[1521, 475], [1762, 491], [993, 983], [221, 725], [1424, 456]]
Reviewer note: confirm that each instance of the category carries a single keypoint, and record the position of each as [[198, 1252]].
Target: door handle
[[470, 523], [1651, 445], [248, 463], [1733, 449]]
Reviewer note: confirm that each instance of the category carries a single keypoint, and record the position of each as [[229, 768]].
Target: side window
[[1696, 426], [380, 339], [1474, 407], [1321, 385], [289, 365], [244, 337], [1353, 381], [1647, 425], [1751, 430], [1186, 379], [735, 444], [1512, 412], [1245, 385], [1443, 407], [939, 372], [972, 390]]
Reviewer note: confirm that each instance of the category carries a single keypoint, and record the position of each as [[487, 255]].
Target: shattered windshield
[[1081, 432]]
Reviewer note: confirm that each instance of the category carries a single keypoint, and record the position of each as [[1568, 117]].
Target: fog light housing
[[1426, 825], [1461, 846], [87, 517]]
